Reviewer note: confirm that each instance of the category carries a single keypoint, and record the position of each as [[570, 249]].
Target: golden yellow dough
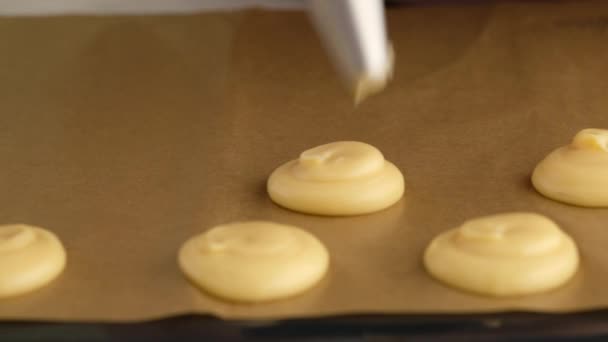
[[254, 261], [503, 255], [30, 257], [339, 178], [577, 173]]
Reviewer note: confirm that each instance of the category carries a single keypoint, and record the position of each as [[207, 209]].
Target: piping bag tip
[[366, 85], [354, 35]]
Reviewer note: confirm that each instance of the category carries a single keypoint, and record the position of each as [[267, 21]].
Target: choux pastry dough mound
[[30, 257], [503, 255], [578, 173], [254, 261], [340, 178]]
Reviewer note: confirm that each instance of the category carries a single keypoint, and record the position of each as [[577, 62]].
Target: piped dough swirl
[[503, 255], [30, 258], [339, 178], [254, 261], [578, 173]]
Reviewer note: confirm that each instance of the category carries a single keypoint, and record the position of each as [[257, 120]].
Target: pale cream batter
[[30, 258], [340, 178], [254, 261], [577, 173], [503, 255]]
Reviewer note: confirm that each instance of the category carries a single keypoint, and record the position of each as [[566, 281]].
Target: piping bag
[[354, 34]]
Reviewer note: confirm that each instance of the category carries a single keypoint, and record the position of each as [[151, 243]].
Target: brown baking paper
[[128, 135]]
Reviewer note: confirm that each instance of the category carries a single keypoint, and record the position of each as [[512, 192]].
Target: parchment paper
[[128, 135]]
